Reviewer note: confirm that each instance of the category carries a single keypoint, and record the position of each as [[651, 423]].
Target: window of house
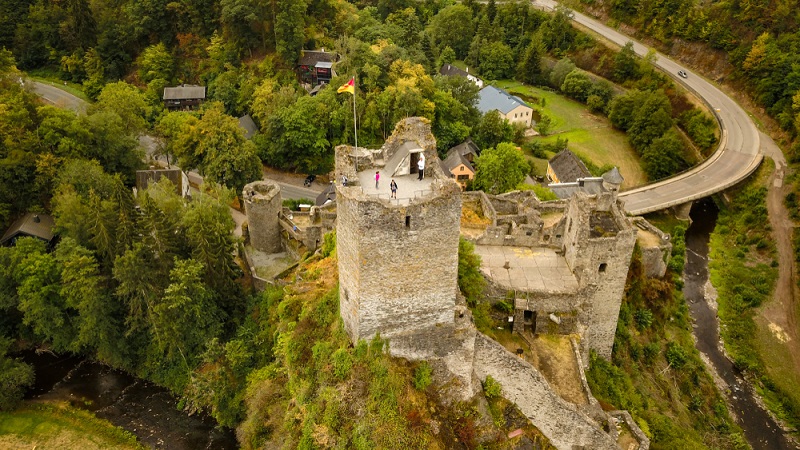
[[408, 221], [462, 168], [463, 177], [602, 268]]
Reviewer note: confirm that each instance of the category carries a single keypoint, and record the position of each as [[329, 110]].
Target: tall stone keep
[[262, 205], [398, 258]]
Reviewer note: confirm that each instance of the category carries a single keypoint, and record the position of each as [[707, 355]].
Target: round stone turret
[[612, 180], [262, 205]]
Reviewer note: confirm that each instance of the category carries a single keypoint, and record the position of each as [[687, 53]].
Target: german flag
[[350, 87]]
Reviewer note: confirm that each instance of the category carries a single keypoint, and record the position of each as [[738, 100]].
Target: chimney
[[36, 218]]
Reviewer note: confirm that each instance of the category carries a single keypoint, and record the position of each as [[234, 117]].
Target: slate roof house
[[453, 71], [509, 106], [565, 167], [34, 225], [316, 66], [457, 166], [184, 96]]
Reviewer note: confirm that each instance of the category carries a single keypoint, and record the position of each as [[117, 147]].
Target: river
[[146, 410], [761, 431]]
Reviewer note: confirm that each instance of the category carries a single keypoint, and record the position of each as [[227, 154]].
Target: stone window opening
[[408, 221], [602, 268]]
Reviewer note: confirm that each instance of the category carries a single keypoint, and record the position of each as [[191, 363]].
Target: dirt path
[[781, 312]]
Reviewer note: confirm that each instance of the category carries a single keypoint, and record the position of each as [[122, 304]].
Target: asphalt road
[[737, 157], [58, 97]]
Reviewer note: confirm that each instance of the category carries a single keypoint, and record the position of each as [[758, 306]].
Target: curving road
[[58, 97], [737, 157]]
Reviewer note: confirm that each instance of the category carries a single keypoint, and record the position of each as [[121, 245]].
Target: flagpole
[[355, 128]]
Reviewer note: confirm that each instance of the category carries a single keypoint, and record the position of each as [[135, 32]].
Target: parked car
[[683, 74]]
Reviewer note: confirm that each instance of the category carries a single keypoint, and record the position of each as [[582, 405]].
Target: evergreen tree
[[530, 69]]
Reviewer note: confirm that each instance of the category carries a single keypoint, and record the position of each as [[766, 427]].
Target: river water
[[759, 428], [146, 410]]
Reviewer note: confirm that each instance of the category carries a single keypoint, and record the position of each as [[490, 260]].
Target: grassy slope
[[323, 392], [744, 275], [58, 426], [590, 135], [656, 372]]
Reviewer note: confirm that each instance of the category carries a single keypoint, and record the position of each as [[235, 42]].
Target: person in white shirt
[[421, 165]]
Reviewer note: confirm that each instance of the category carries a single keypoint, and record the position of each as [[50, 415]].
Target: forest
[[147, 283]]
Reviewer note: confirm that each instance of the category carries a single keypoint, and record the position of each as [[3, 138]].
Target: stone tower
[[598, 244], [262, 205], [398, 258]]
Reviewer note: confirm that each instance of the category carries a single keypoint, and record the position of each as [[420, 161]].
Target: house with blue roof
[[509, 106]]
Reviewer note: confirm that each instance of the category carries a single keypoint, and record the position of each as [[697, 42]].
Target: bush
[[491, 388], [342, 363], [294, 204], [329, 244], [422, 376], [675, 355]]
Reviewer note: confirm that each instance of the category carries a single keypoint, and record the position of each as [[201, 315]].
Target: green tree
[[560, 71], [43, 308], [452, 27], [289, 26], [544, 124], [155, 62], [83, 289], [128, 102], [208, 228], [664, 156], [492, 130], [577, 85], [558, 33], [15, 377], [186, 316], [626, 64], [447, 55], [496, 61], [500, 169], [530, 68], [651, 120]]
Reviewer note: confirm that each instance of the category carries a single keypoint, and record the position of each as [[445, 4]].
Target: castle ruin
[[565, 261]]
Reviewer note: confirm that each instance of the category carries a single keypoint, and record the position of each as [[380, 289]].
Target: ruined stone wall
[[397, 264], [414, 129], [262, 205], [560, 421], [654, 259]]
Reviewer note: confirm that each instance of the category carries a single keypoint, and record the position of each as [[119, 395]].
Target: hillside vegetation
[[656, 373]]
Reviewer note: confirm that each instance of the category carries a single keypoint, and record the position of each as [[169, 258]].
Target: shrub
[[644, 318], [342, 363], [422, 376], [491, 388], [329, 244], [675, 355]]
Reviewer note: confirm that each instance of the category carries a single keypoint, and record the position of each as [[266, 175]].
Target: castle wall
[[262, 205], [560, 421], [398, 265]]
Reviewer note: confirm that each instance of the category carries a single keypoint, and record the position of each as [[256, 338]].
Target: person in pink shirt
[[377, 177]]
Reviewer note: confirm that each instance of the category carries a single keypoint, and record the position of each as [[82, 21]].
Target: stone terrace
[[527, 269]]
